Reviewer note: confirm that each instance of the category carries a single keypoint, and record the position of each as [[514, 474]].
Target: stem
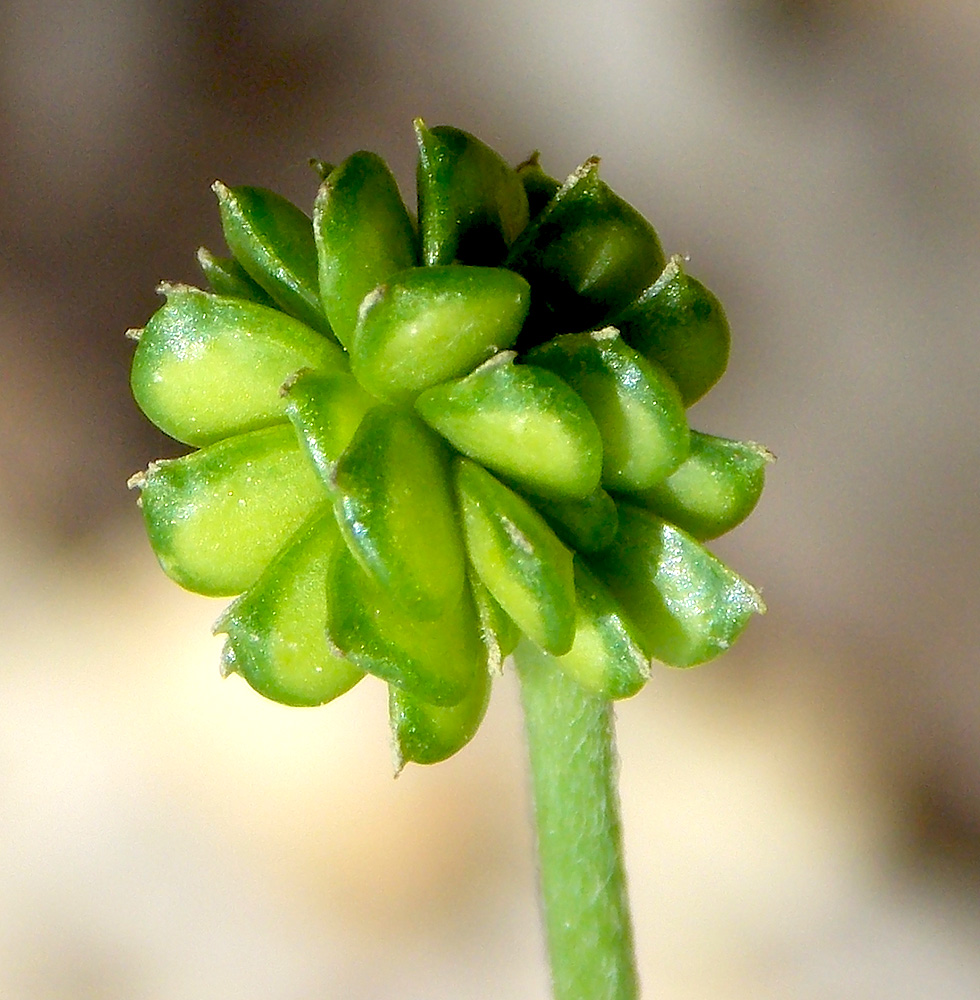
[[576, 806]]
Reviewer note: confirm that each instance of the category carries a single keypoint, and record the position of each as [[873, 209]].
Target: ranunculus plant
[[424, 445]]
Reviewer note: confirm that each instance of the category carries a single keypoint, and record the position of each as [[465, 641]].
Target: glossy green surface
[[273, 241], [217, 517], [423, 733], [607, 656], [276, 630], [436, 661], [208, 366], [522, 422], [686, 604], [472, 205], [588, 524], [678, 323], [363, 236], [715, 489], [227, 277], [326, 408], [518, 558], [429, 324], [396, 510], [636, 406], [586, 254]]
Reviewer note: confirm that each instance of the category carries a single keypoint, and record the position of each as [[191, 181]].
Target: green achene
[[363, 236], [524, 423], [273, 241], [425, 325], [517, 557], [635, 404], [209, 366], [276, 631]]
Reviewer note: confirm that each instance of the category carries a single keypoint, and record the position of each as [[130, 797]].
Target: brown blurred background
[[802, 817]]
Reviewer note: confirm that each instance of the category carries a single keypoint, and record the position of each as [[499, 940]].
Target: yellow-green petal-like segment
[[678, 323], [273, 240], [217, 517], [429, 324], [518, 558], [363, 236], [715, 489], [686, 604], [607, 655], [227, 277], [522, 422], [436, 661], [472, 204], [326, 408], [208, 366], [396, 509], [587, 253], [636, 406], [276, 630], [586, 525], [423, 733]]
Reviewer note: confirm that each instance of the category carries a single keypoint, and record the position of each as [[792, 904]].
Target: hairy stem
[[576, 806]]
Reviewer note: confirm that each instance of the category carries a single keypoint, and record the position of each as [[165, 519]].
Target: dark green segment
[[715, 489], [396, 510], [607, 655], [436, 661], [678, 323], [208, 366], [227, 277], [428, 324], [273, 240], [587, 254], [586, 525], [687, 605], [276, 630], [217, 517], [423, 733], [636, 406], [326, 408], [363, 236], [522, 422], [518, 557], [472, 205], [539, 186]]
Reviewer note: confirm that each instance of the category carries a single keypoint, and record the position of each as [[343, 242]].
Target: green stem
[[576, 806]]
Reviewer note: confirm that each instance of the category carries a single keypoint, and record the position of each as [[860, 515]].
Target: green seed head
[[419, 442]]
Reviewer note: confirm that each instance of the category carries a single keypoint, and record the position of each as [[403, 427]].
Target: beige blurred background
[[802, 817]]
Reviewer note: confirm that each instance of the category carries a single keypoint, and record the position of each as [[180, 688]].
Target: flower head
[[418, 442]]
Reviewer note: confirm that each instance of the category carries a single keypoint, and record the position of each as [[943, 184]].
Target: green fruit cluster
[[418, 441]]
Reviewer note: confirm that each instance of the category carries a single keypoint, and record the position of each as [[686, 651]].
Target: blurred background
[[802, 817]]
